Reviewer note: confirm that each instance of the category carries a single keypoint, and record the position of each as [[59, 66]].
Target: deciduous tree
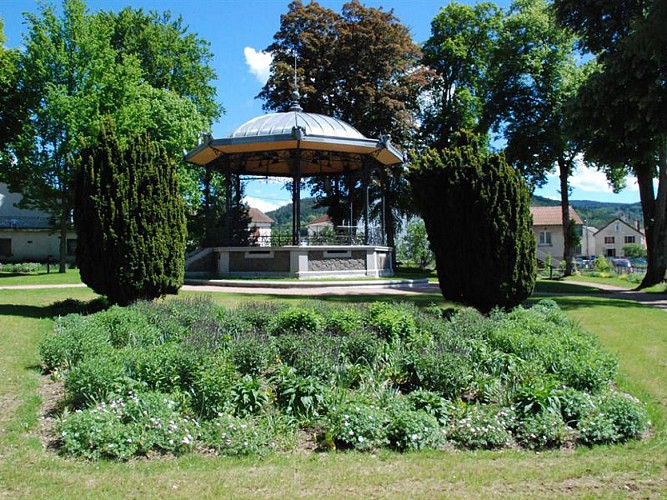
[[620, 115], [360, 66]]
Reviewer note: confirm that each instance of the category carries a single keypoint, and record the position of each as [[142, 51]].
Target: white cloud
[[259, 63], [589, 179], [264, 206]]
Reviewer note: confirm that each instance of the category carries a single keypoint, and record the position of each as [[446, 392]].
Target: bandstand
[[296, 145]]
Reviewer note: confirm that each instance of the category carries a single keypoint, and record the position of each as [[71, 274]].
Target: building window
[[629, 239], [609, 240], [71, 247], [5, 247], [610, 252], [617, 227], [545, 238]]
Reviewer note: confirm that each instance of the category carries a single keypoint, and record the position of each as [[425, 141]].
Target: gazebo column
[[228, 207], [296, 197], [365, 186]]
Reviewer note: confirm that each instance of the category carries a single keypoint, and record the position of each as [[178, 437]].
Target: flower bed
[[187, 375]]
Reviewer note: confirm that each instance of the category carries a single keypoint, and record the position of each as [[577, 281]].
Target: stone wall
[[260, 263], [320, 261]]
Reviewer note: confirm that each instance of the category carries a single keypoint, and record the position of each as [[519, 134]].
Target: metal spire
[[295, 106]]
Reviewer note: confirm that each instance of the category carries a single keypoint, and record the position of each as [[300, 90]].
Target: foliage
[[72, 72], [494, 264], [619, 113], [360, 66], [459, 51], [634, 251], [473, 427], [414, 249], [130, 220], [136, 383]]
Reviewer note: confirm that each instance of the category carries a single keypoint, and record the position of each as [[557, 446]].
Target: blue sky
[[239, 30]]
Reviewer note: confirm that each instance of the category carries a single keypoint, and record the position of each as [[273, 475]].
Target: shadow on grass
[[61, 308], [569, 303]]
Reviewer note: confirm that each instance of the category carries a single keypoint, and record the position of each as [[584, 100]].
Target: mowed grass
[[70, 277], [637, 334]]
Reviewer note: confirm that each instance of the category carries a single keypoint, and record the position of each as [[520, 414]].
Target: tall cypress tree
[[130, 219], [477, 216]]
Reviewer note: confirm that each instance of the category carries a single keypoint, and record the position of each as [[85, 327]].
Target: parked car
[[622, 265]]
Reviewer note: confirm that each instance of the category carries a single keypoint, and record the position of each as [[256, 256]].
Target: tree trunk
[[564, 167], [64, 226], [655, 217]]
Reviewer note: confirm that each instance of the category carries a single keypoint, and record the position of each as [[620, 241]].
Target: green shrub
[[300, 397], [626, 413], [212, 388], [249, 396], [235, 436], [128, 326], [358, 425], [542, 430], [128, 426], [310, 354], [575, 405], [363, 347], [392, 321], [344, 321], [413, 430], [99, 378], [596, 428], [475, 426], [430, 402], [296, 320], [73, 338], [252, 354], [165, 368], [441, 371]]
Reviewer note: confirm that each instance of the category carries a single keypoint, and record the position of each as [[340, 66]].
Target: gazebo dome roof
[[283, 123], [294, 144]]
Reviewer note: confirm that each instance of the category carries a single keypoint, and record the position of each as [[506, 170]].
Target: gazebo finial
[[295, 106]]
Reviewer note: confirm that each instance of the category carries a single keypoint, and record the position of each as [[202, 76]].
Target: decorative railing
[[25, 222]]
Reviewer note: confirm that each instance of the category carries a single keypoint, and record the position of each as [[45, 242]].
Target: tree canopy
[[73, 71], [620, 114]]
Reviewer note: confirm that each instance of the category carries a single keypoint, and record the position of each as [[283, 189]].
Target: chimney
[[637, 224]]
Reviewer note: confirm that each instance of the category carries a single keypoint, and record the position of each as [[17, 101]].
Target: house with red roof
[[548, 231]]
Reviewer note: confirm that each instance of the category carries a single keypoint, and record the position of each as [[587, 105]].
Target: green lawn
[[41, 278], [637, 334]]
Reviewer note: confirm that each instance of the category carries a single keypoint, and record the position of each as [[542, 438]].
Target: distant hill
[[598, 213], [283, 215]]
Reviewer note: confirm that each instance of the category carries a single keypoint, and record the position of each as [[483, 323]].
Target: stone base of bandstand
[[339, 261]]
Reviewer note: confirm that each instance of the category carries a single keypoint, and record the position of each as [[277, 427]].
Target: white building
[[260, 227], [611, 239], [28, 235]]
